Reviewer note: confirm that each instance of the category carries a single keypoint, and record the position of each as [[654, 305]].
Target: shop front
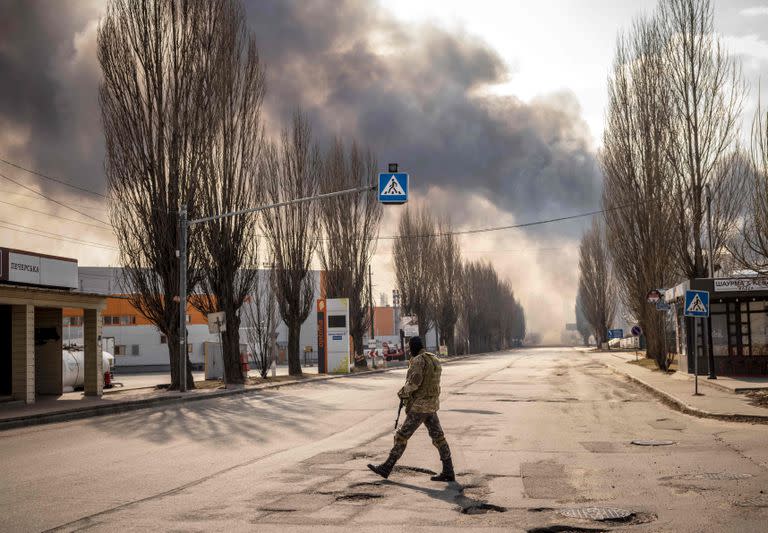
[[737, 328]]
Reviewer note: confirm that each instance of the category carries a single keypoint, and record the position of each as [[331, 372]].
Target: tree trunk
[[231, 350], [173, 361], [654, 338], [357, 339], [173, 355], [294, 357], [450, 341]]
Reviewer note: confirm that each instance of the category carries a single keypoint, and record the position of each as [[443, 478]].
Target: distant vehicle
[[73, 369]]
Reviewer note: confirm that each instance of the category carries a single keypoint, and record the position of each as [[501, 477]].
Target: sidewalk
[[74, 405], [716, 400], [148, 380]]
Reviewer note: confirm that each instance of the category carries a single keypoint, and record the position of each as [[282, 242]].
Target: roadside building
[[139, 346], [34, 291], [737, 326]]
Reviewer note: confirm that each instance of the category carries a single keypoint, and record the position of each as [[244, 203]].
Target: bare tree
[[229, 244], [706, 96], [596, 286], [638, 184], [291, 171], [582, 326], [351, 225], [157, 126], [750, 247], [414, 254], [261, 319], [447, 268], [491, 319]]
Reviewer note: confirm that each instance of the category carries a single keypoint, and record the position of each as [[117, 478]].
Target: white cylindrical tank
[[73, 368]]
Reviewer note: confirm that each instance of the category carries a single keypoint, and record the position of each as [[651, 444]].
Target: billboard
[[29, 268]]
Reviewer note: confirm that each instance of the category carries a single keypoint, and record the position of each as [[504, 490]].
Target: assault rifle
[[399, 409]]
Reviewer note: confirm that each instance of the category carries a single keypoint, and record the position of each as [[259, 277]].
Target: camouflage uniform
[[421, 394]]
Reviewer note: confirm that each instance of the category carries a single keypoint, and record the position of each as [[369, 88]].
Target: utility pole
[[708, 339], [183, 299], [370, 299]]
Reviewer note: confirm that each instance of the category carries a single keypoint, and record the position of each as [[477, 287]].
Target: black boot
[[447, 473], [385, 468]]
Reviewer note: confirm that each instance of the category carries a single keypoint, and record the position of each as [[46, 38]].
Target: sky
[[495, 109]]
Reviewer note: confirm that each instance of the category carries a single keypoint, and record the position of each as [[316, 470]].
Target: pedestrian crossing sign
[[697, 303], [393, 188]]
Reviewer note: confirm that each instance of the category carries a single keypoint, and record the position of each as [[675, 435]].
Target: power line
[[53, 200], [511, 226], [556, 249], [43, 233], [56, 216], [57, 180], [37, 197]]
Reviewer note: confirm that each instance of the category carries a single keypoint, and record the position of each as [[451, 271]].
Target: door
[[6, 359], [739, 333]]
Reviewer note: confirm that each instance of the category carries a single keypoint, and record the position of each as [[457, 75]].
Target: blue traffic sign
[[615, 333], [393, 188], [697, 303]]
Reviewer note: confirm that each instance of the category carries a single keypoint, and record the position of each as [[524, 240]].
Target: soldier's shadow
[[452, 493]]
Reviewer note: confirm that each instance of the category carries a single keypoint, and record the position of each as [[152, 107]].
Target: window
[[73, 321], [134, 349], [163, 339], [127, 320], [758, 320], [119, 349], [719, 335], [337, 321]]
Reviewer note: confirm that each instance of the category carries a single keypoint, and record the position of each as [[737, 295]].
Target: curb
[[684, 408], [135, 405]]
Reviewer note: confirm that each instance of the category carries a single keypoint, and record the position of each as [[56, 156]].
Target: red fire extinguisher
[[244, 364]]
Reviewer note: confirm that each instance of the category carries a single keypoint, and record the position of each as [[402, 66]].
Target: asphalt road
[[533, 432]]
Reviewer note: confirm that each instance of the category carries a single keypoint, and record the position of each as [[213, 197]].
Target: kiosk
[[333, 340]]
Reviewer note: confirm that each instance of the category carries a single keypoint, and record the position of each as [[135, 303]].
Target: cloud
[[415, 92], [755, 11], [747, 45], [411, 92]]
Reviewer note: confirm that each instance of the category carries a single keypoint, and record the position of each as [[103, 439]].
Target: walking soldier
[[421, 395]]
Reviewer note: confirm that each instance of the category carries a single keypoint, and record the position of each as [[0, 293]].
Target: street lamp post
[[708, 340]]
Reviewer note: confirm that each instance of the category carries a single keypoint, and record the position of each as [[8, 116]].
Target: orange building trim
[[121, 306]]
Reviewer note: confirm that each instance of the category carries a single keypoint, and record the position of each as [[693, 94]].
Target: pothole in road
[[757, 501], [413, 470], [563, 528], [642, 442], [357, 496], [474, 411], [362, 455], [367, 484], [536, 400], [482, 508], [713, 476], [540, 509], [598, 513]]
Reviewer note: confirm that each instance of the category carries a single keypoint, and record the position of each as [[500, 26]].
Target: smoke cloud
[[416, 93]]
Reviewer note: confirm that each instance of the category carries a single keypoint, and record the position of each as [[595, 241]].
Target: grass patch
[[758, 398], [650, 364]]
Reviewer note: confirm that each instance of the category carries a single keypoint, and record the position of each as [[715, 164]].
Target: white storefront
[[143, 347]]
